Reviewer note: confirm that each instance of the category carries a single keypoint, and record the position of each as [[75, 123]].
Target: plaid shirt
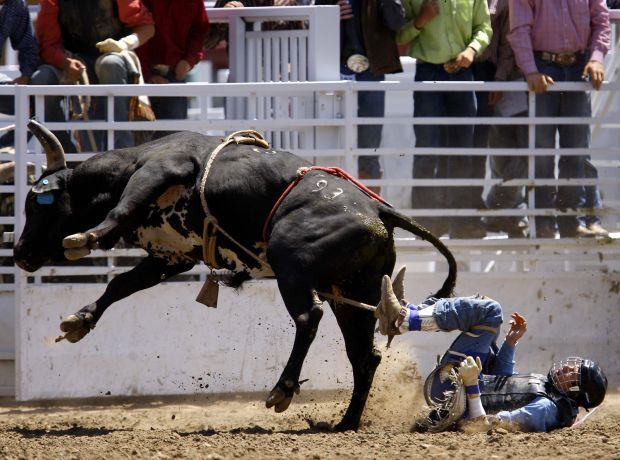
[[15, 25], [558, 26]]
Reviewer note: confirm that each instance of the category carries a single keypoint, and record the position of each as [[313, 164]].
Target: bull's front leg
[[143, 188], [306, 310], [149, 272]]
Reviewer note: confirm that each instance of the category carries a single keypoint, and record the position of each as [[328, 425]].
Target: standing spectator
[[564, 40], [15, 25], [506, 136], [77, 36], [445, 37], [367, 52], [180, 29]]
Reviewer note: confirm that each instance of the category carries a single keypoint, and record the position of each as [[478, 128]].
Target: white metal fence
[[339, 146], [317, 120]]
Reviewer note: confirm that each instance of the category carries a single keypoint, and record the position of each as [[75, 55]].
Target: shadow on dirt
[[256, 430], [72, 431]]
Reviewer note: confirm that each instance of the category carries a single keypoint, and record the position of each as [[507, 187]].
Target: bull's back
[[245, 182]]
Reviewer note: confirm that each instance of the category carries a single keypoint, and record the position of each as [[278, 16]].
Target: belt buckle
[[565, 59], [451, 66]]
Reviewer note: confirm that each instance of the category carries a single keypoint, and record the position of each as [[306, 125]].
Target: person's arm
[[541, 415], [520, 37], [481, 27], [23, 41], [505, 56], [504, 361], [414, 23], [469, 370], [600, 39], [195, 38], [133, 14], [49, 36], [393, 14]]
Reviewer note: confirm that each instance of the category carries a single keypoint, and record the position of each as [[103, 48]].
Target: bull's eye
[[45, 198]]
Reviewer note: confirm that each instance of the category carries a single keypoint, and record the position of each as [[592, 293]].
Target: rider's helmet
[[582, 380]]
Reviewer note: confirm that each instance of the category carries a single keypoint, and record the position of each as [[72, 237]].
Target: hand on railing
[[594, 71]]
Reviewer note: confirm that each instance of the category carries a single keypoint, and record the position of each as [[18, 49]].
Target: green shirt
[[460, 24]]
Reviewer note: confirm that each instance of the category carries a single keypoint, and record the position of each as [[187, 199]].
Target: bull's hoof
[[281, 398], [345, 425], [76, 327]]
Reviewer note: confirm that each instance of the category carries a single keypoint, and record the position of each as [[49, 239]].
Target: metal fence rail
[[332, 127]]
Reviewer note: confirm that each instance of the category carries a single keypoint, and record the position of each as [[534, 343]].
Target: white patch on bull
[[170, 196], [233, 260], [167, 240]]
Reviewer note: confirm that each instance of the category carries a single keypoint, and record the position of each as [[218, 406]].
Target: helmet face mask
[[582, 380]]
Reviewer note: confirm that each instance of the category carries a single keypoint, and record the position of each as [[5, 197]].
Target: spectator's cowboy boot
[[598, 230]]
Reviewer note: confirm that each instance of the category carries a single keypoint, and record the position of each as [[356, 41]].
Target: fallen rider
[[475, 377]]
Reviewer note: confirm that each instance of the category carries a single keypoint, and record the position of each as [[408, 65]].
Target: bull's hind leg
[[358, 327], [306, 310], [358, 332]]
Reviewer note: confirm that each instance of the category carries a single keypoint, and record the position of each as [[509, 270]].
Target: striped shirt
[[15, 25], [558, 26]]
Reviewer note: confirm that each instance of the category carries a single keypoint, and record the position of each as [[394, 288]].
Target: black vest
[[86, 22], [500, 392]]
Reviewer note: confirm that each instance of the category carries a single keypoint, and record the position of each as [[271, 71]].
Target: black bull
[[326, 235]]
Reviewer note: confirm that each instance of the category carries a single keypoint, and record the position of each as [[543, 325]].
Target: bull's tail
[[394, 219]]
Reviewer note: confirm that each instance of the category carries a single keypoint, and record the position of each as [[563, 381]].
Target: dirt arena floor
[[239, 426]]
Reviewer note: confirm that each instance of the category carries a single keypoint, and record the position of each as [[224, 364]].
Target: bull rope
[[334, 171], [253, 137], [247, 136]]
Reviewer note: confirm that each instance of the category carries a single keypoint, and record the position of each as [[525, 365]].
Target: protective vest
[[86, 22], [501, 392]]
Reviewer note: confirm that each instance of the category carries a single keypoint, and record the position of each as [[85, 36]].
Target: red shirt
[[132, 13], [180, 29]]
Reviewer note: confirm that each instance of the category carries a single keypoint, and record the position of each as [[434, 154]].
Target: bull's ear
[[50, 143]]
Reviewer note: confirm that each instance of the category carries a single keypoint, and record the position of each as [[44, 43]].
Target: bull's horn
[[399, 283], [50, 143], [7, 171]]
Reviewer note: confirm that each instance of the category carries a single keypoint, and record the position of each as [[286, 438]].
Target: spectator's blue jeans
[[556, 105], [369, 104], [444, 104], [7, 107], [112, 69], [169, 108], [506, 168], [50, 75], [7, 103]]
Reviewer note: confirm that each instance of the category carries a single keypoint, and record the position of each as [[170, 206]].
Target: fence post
[[22, 114]]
